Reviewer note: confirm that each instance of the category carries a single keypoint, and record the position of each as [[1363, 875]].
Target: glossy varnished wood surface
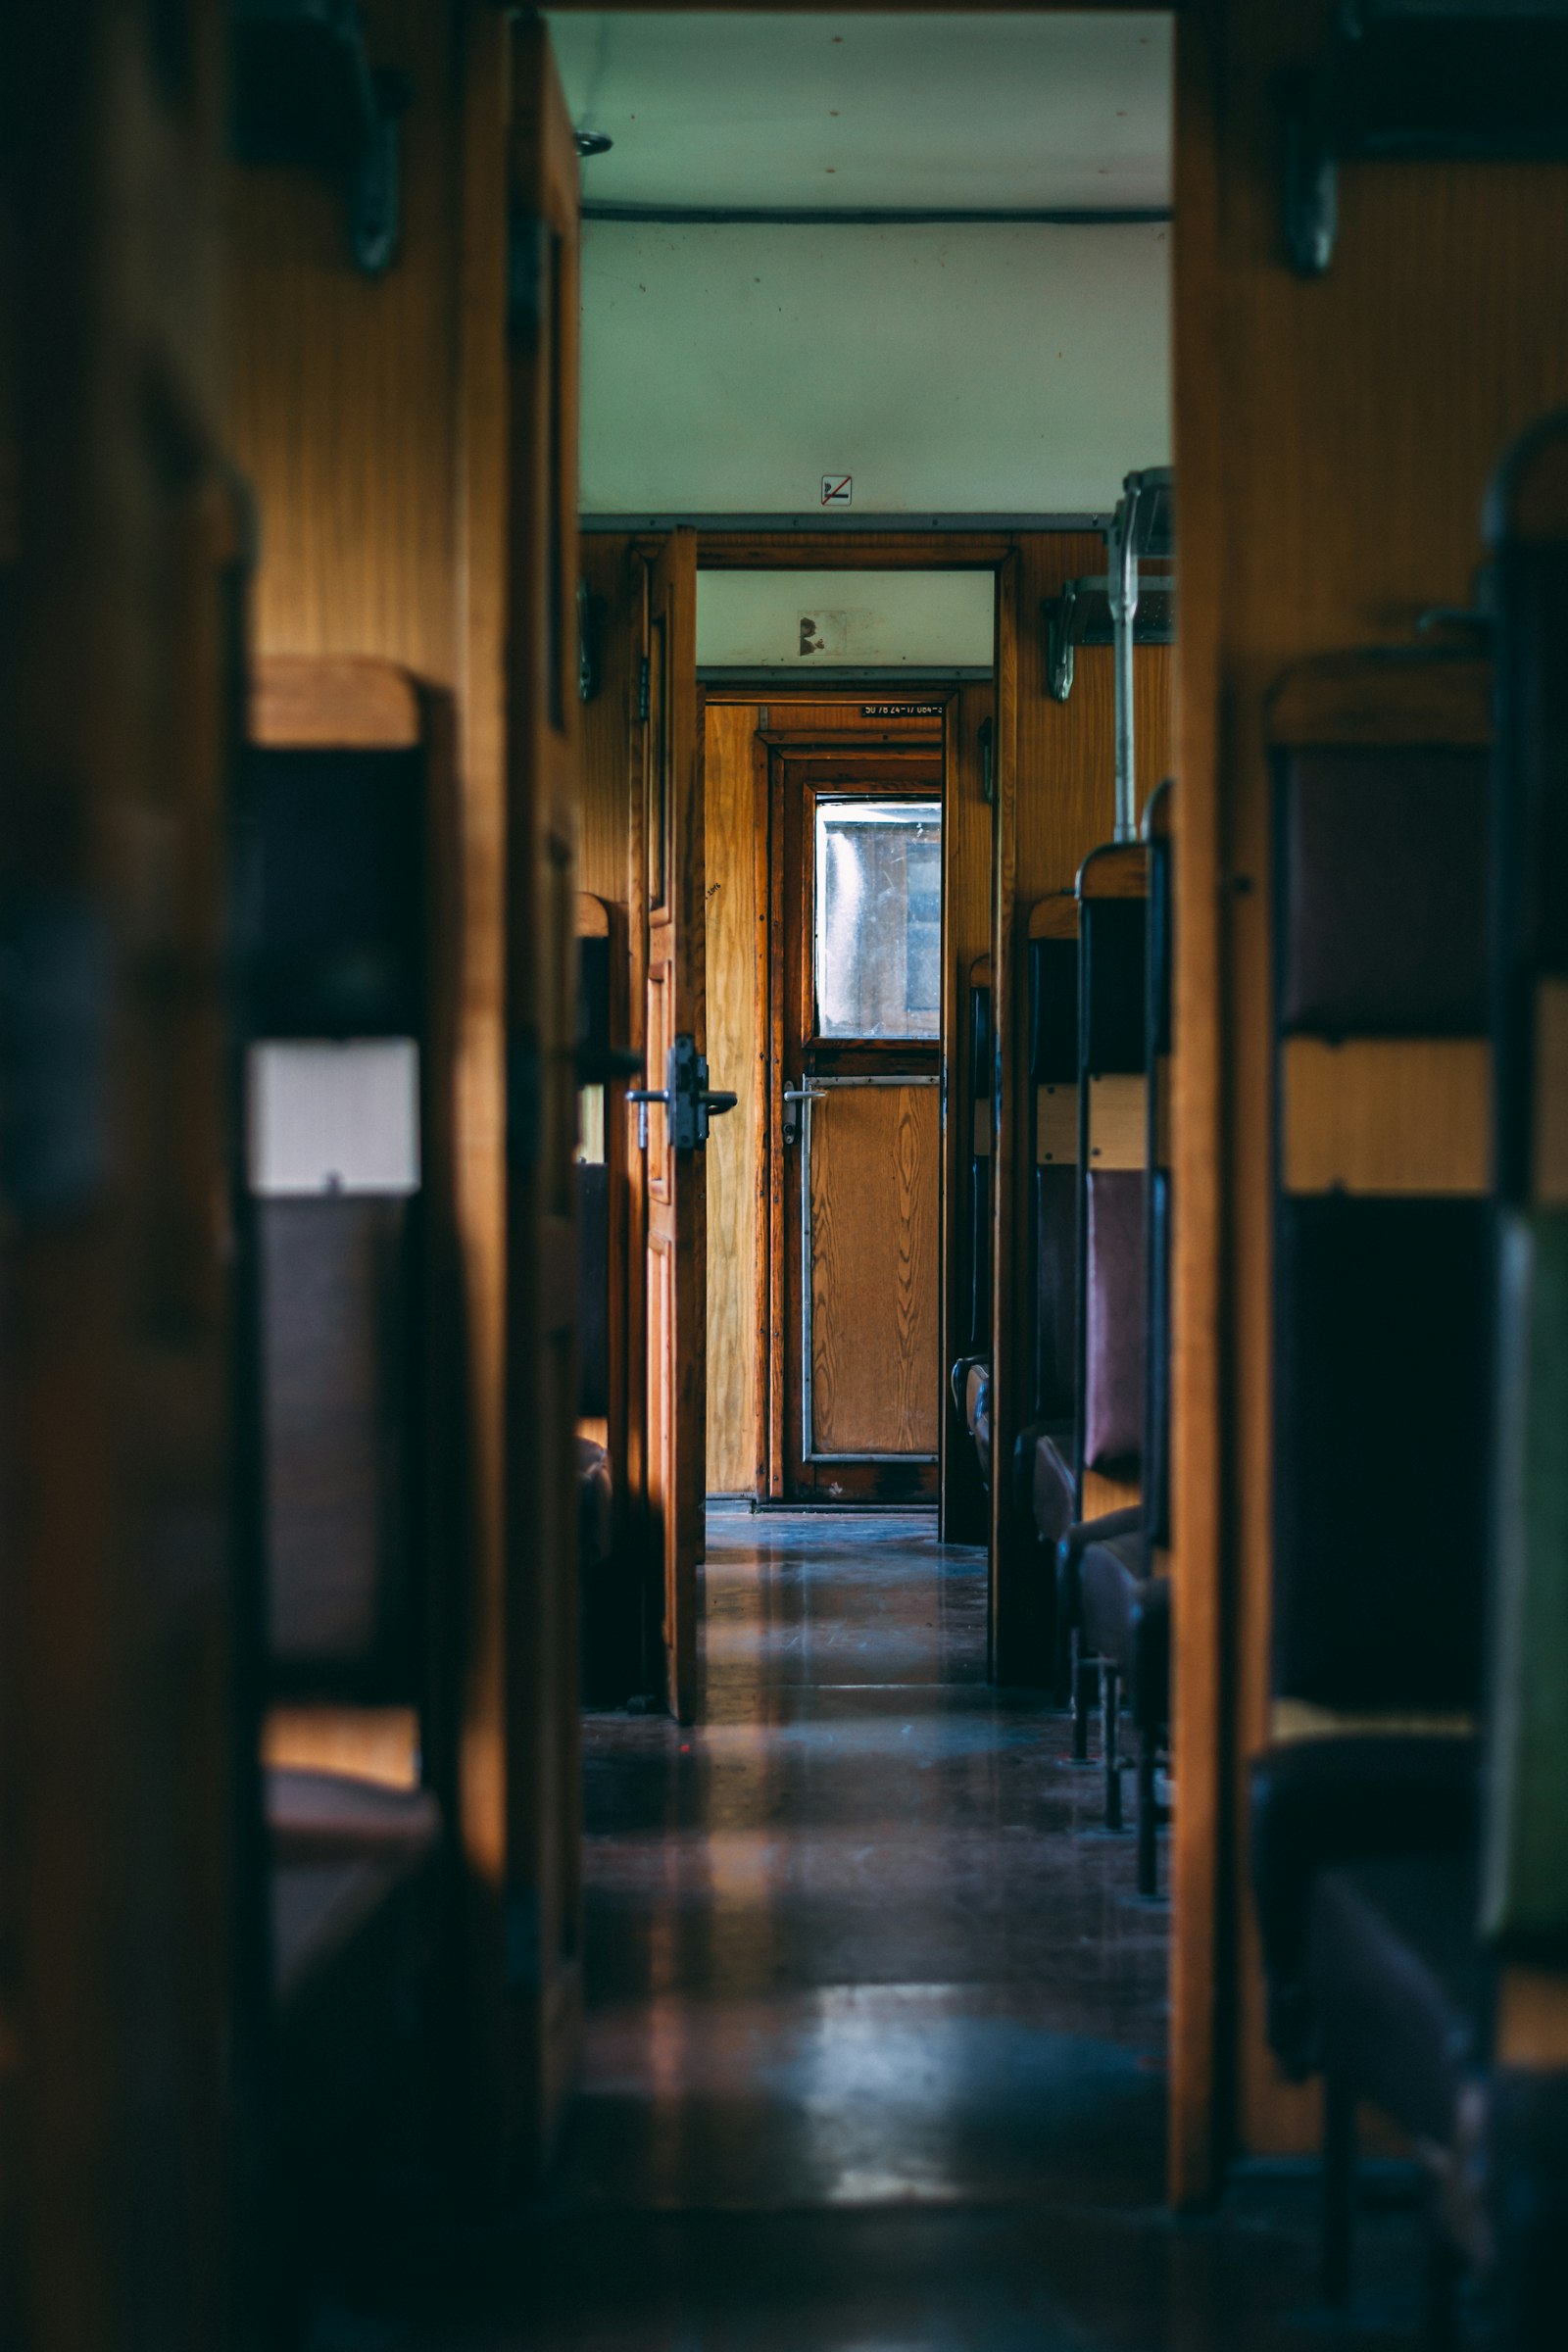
[[876, 1377], [344, 390], [609, 723], [676, 1213], [736, 1175], [1399, 1116], [542, 1882], [1333, 442], [130, 1926], [300, 701], [966, 844]]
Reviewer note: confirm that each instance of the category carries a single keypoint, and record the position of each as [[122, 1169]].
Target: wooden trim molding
[[1382, 696], [1386, 1115], [1056, 917], [1119, 870], [1118, 1120], [1056, 1126], [333, 703]]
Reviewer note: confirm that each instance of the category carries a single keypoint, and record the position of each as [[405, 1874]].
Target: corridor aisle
[[876, 2022]]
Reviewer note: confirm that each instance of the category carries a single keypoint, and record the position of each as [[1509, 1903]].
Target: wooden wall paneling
[[608, 721], [612, 850], [764, 1061], [676, 1187], [1334, 440], [130, 1845], [344, 388], [1386, 1114], [1202, 1854], [479, 620], [735, 1234], [778, 1240], [1056, 768], [305, 703], [811, 711], [543, 711], [609, 859], [966, 850]]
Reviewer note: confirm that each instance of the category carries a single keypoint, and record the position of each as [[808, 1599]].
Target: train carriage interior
[[784, 1177]]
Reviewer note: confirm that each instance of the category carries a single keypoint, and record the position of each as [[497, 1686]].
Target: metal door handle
[[688, 1100], [801, 1094]]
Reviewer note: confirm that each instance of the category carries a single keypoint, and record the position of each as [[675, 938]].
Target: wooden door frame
[[966, 706], [781, 753]]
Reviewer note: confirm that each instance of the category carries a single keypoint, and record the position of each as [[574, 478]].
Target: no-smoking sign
[[838, 490]]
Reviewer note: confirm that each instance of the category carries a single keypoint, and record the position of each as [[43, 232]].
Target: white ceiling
[[748, 110]]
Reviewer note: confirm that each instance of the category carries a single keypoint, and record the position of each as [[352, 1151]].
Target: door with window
[[857, 987]]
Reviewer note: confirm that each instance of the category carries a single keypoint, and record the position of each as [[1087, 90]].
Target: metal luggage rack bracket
[[1407, 80]]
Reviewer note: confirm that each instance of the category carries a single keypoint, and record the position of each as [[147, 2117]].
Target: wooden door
[[674, 1172], [858, 1118], [542, 1932], [124, 2048]]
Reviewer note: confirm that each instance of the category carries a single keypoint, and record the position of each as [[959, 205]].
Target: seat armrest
[[1151, 1691], [1070, 1552], [1353, 1798], [1023, 1462]]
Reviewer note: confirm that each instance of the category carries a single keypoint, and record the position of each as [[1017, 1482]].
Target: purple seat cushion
[[1385, 860], [1116, 1296]]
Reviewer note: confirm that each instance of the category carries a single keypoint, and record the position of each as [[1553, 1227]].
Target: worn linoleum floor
[[877, 2024]]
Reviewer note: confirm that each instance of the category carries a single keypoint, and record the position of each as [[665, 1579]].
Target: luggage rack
[[1402, 79], [305, 94]]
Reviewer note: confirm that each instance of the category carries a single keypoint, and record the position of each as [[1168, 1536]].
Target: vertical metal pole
[[1122, 568]]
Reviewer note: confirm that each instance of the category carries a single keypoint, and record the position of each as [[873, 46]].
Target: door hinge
[[645, 686]]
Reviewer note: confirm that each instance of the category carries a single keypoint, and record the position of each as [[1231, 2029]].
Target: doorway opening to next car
[[841, 861]]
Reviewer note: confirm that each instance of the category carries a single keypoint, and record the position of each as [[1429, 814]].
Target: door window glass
[[878, 946]]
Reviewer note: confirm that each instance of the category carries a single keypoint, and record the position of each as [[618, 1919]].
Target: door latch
[[800, 1094], [690, 1104]]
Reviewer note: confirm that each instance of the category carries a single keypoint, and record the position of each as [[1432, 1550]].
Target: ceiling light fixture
[[593, 142]]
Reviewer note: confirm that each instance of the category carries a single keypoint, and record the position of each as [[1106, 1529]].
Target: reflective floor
[[876, 2022]]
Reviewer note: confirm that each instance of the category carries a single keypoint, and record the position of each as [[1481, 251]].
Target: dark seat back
[[1053, 1086], [979, 1111], [1381, 1316], [333, 882], [1157, 1026], [1525, 1859], [593, 1287], [1113, 1131]]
